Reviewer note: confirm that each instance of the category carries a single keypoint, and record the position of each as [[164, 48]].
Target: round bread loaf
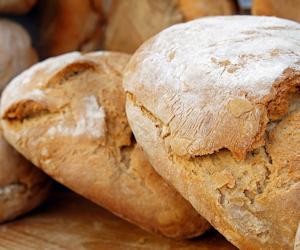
[[15, 49], [281, 8], [215, 104], [131, 22], [22, 186], [67, 115], [69, 25], [16, 6]]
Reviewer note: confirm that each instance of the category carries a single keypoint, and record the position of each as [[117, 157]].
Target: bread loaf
[[67, 115], [16, 6], [69, 25], [16, 51], [132, 22], [22, 186], [218, 116], [297, 239], [288, 9]]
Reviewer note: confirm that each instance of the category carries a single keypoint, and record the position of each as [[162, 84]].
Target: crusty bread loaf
[[69, 25], [132, 22], [22, 186], [219, 118], [15, 49], [16, 6], [297, 239], [67, 115], [288, 9]]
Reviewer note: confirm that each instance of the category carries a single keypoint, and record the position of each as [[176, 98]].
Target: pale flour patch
[[91, 121], [9, 189]]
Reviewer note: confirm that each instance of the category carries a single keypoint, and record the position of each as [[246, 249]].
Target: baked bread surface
[[67, 115], [218, 117], [132, 22], [288, 9], [16, 6], [69, 25], [22, 186], [16, 51]]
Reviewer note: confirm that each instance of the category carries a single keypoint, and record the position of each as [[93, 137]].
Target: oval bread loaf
[[16, 51], [16, 6], [215, 104], [132, 22], [22, 186], [67, 115], [69, 25], [288, 9]]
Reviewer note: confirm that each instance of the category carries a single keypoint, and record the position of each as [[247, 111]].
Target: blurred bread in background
[[289, 9], [69, 25], [16, 6], [131, 22], [22, 186], [16, 51]]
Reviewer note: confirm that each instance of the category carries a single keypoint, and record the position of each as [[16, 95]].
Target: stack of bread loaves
[[199, 127]]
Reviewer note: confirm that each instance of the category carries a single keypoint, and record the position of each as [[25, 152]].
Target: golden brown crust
[[16, 6], [288, 9], [69, 25], [297, 239], [77, 101], [22, 186], [192, 9], [131, 22], [194, 115], [16, 51]]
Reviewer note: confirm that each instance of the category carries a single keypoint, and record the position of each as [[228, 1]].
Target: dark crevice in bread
[[71, 70]]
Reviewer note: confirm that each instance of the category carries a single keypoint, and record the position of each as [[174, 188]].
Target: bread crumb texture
[[215, 105]]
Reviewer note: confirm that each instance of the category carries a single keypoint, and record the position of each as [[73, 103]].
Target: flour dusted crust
[[22, 186], [16, 6], [218, 117], [288, 9], [67, 115], [69, 25], [16, 51], [132, 22]]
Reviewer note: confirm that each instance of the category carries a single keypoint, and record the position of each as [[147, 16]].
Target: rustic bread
[[288, 9], [297, 239], [22, 186], [69, 25], [16, 6], [67, 115], [15, 49], [132, 22], [218, 117]]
